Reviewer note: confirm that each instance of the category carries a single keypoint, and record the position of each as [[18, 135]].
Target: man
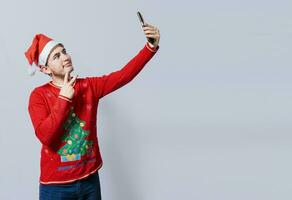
[[63, 112]]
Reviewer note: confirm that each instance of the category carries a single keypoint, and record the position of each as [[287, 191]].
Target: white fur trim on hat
[[32, 69], [46, 51]]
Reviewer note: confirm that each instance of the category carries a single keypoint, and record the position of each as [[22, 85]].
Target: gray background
[[208, 118]]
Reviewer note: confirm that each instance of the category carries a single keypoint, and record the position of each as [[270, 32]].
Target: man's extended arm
[[108, 83]]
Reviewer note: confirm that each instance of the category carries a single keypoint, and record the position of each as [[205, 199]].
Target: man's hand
[[152, 32], [67, 89]]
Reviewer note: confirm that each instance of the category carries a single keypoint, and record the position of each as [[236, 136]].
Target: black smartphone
[[141, 18], [151, 40]]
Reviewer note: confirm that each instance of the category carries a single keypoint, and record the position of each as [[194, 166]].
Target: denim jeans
[[85, 189]]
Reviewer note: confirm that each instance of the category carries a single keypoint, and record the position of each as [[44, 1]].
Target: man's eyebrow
[[58, 52]]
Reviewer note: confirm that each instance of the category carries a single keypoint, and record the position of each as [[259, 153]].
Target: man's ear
[[45, 69]]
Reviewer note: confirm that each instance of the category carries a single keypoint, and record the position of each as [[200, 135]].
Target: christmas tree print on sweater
[[76, 145]]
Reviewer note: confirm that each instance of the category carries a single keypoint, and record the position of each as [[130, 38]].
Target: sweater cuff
[[64, 98], [152, 49]]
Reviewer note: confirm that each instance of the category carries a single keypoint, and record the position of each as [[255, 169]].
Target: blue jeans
[[85, 189]]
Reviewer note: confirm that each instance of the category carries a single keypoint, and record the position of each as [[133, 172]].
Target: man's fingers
[[152, 36], [147, 25], [73, 80], [149, 28], [66, 78], [150, 32]]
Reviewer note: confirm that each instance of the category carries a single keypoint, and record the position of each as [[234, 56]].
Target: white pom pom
[[32, 69]]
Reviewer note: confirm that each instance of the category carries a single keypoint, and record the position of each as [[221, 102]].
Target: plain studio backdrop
[[208, 118]]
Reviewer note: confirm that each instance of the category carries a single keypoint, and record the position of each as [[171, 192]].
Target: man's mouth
[[68, 64]]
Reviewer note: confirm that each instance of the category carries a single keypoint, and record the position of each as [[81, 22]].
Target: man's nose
[[65, 57]]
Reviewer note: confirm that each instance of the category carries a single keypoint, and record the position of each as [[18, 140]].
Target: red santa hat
[[39, 51]]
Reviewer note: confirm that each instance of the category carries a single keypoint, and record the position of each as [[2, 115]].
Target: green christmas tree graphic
[[76, 145]]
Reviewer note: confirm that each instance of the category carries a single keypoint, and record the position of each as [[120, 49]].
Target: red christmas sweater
[[67, 128]]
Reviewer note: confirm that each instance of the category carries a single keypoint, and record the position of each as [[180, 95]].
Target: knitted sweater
[[67, 128]]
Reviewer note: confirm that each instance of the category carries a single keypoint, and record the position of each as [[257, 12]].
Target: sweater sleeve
[[47, 124], [108, 83]]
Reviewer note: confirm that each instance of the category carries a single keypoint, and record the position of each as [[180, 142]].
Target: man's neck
[[59, 81]]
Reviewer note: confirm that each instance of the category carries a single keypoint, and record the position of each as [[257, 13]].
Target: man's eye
[[64, 51], [57, 56]]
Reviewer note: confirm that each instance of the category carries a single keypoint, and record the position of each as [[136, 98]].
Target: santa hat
[[38, 52]]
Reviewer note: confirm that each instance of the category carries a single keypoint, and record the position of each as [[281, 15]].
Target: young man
[[63, 113]]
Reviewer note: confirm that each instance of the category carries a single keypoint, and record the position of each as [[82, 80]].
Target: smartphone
[[151, 40], [141, 18]]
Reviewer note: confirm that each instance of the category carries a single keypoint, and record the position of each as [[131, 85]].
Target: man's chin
[[68, 69]]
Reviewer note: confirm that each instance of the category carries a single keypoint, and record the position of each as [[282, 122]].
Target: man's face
[[59, 62]]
